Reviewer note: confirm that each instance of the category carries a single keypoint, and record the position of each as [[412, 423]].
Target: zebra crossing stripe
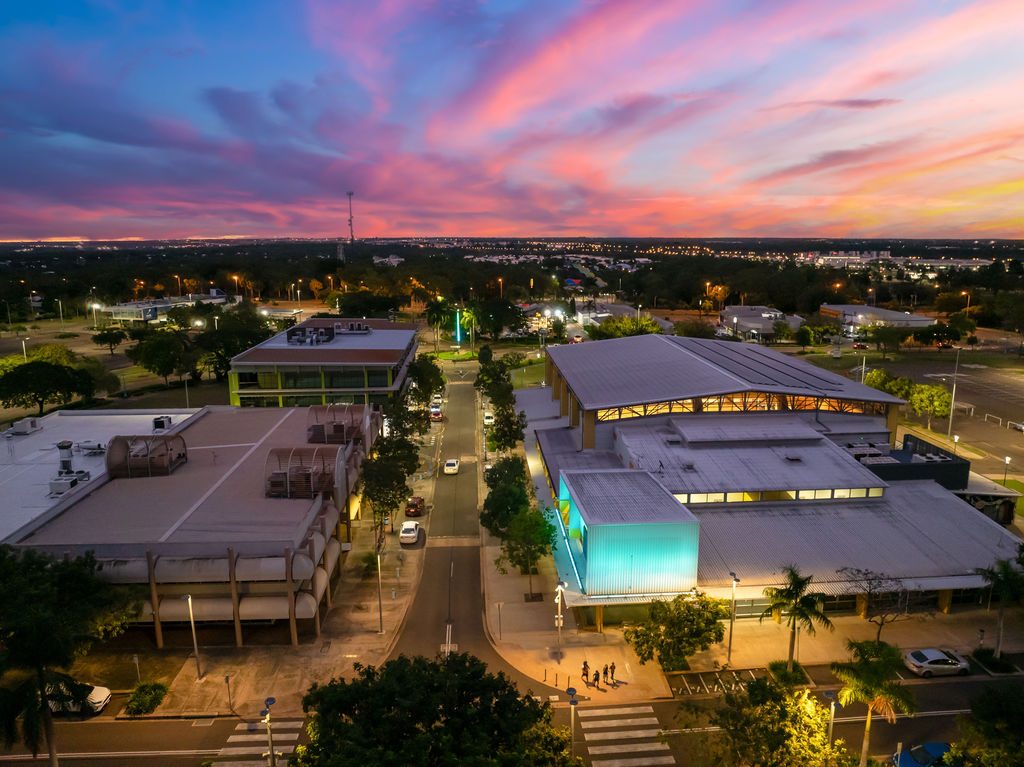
[[245, 750], [585, 712], [624, 735], [640, 761], [592, 724], [282, 725], [258, 737], [627, 748]]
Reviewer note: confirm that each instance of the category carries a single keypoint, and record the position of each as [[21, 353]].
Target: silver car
[[933, 662]]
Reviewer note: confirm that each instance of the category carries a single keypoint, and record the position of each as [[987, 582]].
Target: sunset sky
[[179, 118]]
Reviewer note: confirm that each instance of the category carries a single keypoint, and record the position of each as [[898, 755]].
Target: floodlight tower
[[351, 234]]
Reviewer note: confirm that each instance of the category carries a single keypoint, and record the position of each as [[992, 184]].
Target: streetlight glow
[[1006, 468]]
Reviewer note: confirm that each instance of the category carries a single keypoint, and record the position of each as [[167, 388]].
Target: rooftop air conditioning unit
[[26, 426], [60, 485], [162, 423]]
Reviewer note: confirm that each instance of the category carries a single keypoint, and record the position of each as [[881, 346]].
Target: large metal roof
[[623, 497], [620, 372]]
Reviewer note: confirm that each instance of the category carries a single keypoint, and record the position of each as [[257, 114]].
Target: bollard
[[392, 593]]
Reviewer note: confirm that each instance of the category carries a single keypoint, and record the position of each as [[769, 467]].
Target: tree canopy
[[444, 712], [529, 537], [802, 607], [623, 325], [676, 629], [992, 735], [36, 383]]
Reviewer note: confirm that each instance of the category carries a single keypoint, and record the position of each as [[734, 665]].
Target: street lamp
[[967, 311], [179, 284], [559, 589], [956, 439], [732, 617], [198, 323], [60, 308], [298, 294], [638, 308], [1006, 468], [501, 288], [235, 278], [265, 713], [195, 642], [94, 306], [952, 401], [290, 289], [24, 352]]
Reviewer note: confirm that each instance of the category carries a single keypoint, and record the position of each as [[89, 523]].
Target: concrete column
[[599, 618], [862, 605], [555, 382], [549, 368], [154, 599], [589, 426], [945, 600], [289, 584], [892, 420], [563, 395], [234, 598], [574, 410]]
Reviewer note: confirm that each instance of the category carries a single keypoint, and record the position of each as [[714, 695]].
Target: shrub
[[369, 562], [67, 335], [145, 698], [986, 656], [788, 678]]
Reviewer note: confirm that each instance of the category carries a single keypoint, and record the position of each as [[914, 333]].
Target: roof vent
[[794, 459], [673, 441], [688, 467]]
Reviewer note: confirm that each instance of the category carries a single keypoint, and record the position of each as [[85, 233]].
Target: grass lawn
[[531, 375], [822, 357]]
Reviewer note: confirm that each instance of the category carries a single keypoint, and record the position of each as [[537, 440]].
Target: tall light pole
[[1006, 468], [501, 288], [956, 440], [298, 294], [94, 306], [60, 309], [195, 641], [638, 308], [24, 351], [559, 589], [967, 311], [235, 278], [732, 617], [179, 284], [265, 713], [952, 401]]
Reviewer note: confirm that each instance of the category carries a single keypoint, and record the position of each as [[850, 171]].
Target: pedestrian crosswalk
[[623, 736], [247, 745]]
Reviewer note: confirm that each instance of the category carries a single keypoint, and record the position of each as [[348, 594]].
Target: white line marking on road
[[633, 734], [259, 737], [594, 723], [583, 712], [627, 748], [640, 761], [250, 726], [243, 750]]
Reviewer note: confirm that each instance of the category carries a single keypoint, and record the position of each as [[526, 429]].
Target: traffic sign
[[570, 691]]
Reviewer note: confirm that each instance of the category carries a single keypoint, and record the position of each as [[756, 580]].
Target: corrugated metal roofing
[[918, 533], [744, 427], [619, 497], [641, 369]]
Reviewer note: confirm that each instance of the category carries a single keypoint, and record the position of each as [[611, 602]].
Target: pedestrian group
[[608, 672]]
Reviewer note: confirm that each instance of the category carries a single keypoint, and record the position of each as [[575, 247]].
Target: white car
[[451, 466], [437, 399], [934, 662], [488, 419], [410, 532], [96, 701]]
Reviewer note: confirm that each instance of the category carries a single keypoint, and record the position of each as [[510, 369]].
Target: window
[[875, 492], [682, 497], [805, 495], [248, 380], [843, 492], [820, 494], [302, 400], [376, 377], [267, 380], [301, 379], [778, 495], [858, 492], [345, 378]]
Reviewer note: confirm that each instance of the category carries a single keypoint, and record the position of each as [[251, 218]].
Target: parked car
[[95, 702], [577, 339], [935, 662], [451, 466], [437, 399], [921, 756], [435, 413], [415, 506], [410, 532], [488, 419], [859, 345]]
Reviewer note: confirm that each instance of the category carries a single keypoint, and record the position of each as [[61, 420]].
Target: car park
[[410, 532], [415, 507], [451, 466], [924, 755], [936, 662], [488, 419], [96, 701]]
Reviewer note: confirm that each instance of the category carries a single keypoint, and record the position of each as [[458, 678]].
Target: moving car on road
[[921, 756], [934, 662], [859, 345], [410, 532], [488, 419], [435, 413], [415, 507], [451, 466]]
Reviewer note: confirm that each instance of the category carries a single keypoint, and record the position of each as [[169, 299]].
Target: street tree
[[886, 338], [160, 352], [930, 400], [503, 504], [509, 427], [385, 487], [679, 628], [557, 334], [36, 383], [885, 599], [420, 712], [992, 735], [111, 338], [869, 678], [498, 314], [510, 470], [623, 325], [769, 725], [695, 329], [51, 612], [803, 337], [801, 607], [1007, 584], [529, 537], [438, 312], [780, 331], [427, 379]]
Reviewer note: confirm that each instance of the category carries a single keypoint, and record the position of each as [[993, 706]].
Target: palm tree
[[869, 678], [1007, 584], [801, 607], [437, 313]]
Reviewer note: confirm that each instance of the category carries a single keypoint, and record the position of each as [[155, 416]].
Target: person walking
[[597, 679], [606, 673], [612, 669], [586, 673]]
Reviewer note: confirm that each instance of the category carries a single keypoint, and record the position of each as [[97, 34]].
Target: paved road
[[449, 597]]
